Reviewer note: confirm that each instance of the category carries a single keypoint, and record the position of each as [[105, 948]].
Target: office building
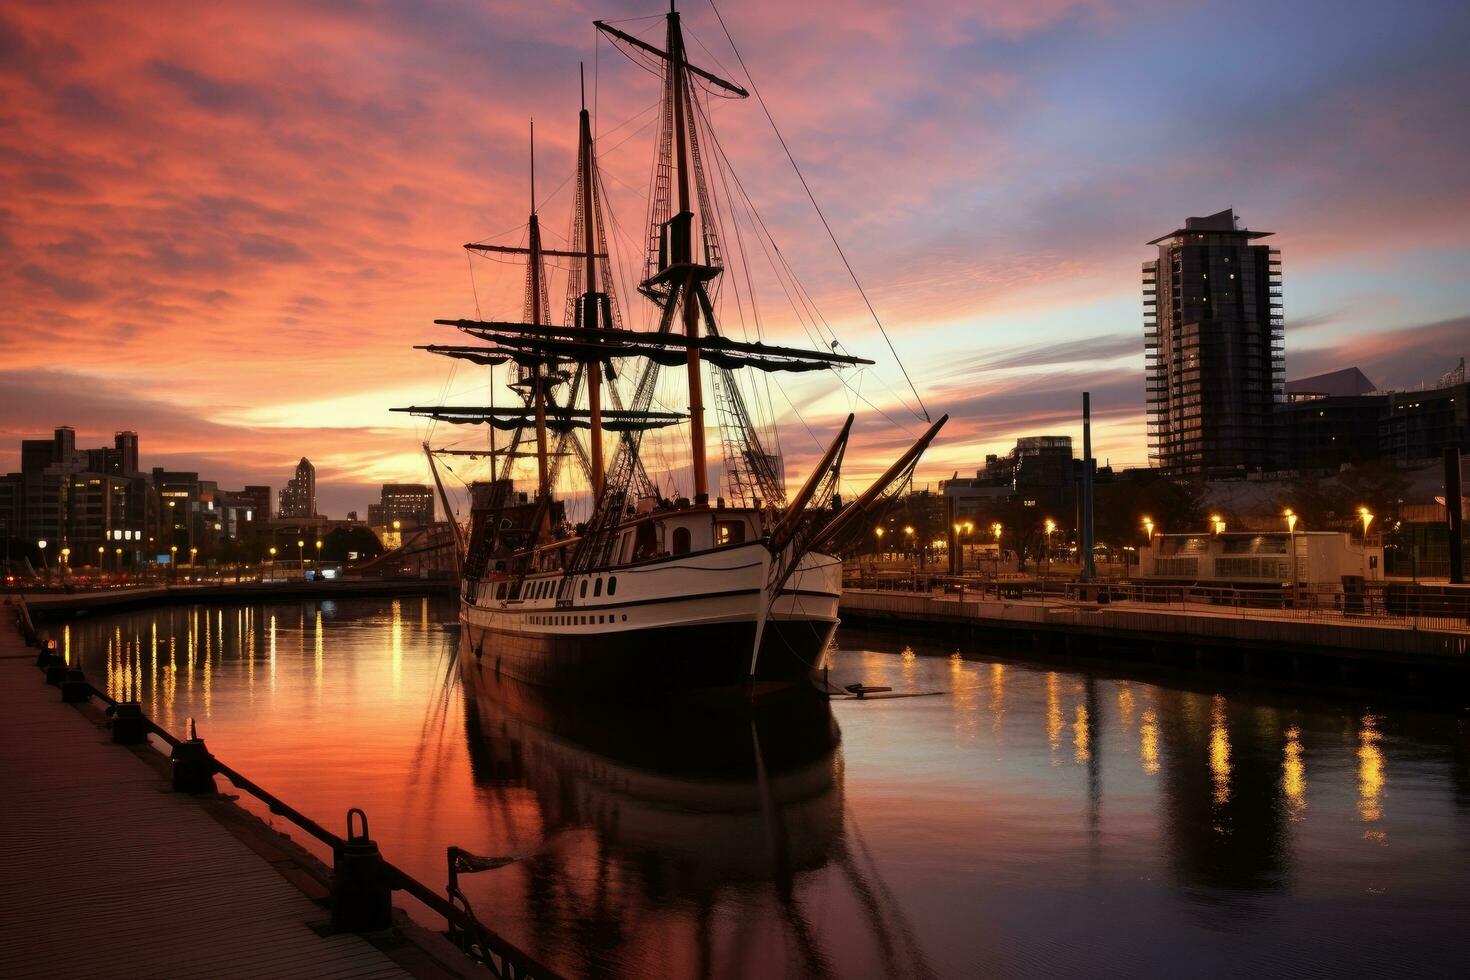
[[1331, 420], [1419, 425], [298, 496], [1214, 346], [411, 504]]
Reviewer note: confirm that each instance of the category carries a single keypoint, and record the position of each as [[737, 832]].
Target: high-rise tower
[[1216, 358], [298, 496]]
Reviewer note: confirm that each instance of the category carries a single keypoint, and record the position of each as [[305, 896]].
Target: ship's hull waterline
[[684, 623]]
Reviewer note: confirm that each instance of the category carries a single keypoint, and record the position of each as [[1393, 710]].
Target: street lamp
[[1219, 523], [101, 558], [1290, 516], [300, 556], [42, 545], [1367, 519], [318, 551], [1049, 527], [1148, 529], [118, 569]]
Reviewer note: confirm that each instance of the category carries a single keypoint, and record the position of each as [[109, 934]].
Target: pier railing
[[1391, 604], [193, 770]]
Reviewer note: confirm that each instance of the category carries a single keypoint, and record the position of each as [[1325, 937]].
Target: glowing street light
[[1366, 518], [1218, 522], [1291, 519], [1148, 529], [318, 551], [996, 529]]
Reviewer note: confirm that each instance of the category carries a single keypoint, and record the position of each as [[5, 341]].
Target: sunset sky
[[227, 224]]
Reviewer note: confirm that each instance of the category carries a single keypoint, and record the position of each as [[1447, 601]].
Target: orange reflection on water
[[1219, 751], [1148, 742], [1294, 774], [1081, 740], [1125, 702], [66, 643], [997, 695], [397, 634], [1371, 776], [1053, 713]]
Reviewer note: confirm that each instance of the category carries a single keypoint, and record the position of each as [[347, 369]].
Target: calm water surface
[[1027, 821]]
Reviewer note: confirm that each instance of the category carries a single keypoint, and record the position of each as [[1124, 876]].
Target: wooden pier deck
[[107, 873]]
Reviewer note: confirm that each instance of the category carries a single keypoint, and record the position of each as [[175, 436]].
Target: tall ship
[[658, 587]]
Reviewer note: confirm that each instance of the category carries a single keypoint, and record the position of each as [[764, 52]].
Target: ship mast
[[683, 228], [590, 304], [540, 374]]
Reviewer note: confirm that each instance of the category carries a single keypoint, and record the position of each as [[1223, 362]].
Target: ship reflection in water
[[1031, 820]]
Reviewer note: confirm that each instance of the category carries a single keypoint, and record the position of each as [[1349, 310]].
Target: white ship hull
[[675, 623]]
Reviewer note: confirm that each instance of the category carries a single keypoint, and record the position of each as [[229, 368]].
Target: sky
[[228, 224]]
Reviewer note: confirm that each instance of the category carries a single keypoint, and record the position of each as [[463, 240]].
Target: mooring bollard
[[127, 724], [362, 898], [56, 672], [74, 687], [191, 764]]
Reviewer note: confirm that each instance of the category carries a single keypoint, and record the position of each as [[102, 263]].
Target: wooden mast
[[590, 307], [683, 227], [540, 373]]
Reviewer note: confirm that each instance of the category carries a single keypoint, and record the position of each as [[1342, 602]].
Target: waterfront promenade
[[107, 873], [224, 590]]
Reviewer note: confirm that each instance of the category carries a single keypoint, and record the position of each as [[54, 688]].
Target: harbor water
[[1028, 819]]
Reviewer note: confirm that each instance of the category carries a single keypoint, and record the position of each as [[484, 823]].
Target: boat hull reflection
[[714, 792]]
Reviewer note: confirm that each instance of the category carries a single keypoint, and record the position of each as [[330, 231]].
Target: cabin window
[[612, 585], [681, 541], [500, 591], [597, 588], [730, 532], [645, 544], [583, 592]]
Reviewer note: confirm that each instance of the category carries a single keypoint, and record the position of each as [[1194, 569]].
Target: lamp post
[[301, 555], [1367, 519], [1049, 527], [65, 563], [1290, 516], [117, 570], [46, 571], [909, 533], [995, 529], [319, 553], [1219, 524], [102, 559]]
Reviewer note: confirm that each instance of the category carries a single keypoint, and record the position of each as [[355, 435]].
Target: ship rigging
[[652, 590]]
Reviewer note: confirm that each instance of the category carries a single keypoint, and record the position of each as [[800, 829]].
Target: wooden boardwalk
[[104, 872]]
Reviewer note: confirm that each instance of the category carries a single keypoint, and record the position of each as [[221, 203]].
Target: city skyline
[[166, 288]]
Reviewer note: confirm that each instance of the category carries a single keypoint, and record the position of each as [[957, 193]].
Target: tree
[[341, 542]]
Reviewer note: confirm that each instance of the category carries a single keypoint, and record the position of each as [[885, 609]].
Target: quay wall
[[44, 604], [1431, 661]]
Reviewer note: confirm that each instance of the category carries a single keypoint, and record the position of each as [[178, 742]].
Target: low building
[[1249, 558]]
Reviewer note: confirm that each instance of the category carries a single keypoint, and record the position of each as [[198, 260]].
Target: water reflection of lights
[[1220, 751], [1053, 713], [397, 634], [1371, 776], [1125, 702], [66, 643], [1080, 738], [1294, 774], [997, 695], [318, 654], [1148, 742]]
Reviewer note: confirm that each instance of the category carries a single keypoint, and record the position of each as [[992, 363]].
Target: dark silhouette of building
[[1039, 470], [1329, 420], [411, 504], [298, 497], [1419, 425], [1213, 339]]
